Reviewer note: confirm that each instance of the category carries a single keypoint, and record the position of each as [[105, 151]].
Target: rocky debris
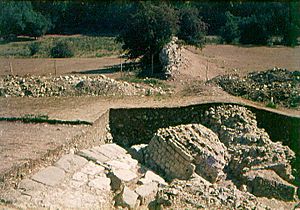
[[197, 193], [171, 58], [277, 86], [182, 150], [249, 146], [266, 183], [73, 85]]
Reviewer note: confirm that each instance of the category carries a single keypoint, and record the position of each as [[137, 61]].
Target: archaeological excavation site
[[200, 156], [149, 105]]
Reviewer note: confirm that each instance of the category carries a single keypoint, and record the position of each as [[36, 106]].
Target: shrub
[[230, 32], [192, 28], [61, 50], [34, 47]]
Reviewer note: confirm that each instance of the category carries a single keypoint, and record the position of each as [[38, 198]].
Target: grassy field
[[83, 46]]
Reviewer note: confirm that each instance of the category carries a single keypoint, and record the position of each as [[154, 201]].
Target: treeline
[[244, 22]]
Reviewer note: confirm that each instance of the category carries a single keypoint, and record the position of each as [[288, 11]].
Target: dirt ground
[[46, 66], [23, 142], [20, 142]]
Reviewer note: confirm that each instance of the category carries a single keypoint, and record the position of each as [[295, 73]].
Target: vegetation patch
[[82, 46]]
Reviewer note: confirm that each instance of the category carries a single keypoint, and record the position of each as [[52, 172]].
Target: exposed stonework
[[182, 150], [171, 57], [249, 146]]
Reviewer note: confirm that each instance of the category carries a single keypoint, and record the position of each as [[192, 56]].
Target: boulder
[[266, 183]]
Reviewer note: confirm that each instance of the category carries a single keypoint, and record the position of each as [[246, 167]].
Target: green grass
[[83, 46]]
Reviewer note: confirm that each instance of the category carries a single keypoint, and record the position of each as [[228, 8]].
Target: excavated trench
[[130, 126], [149, 126]]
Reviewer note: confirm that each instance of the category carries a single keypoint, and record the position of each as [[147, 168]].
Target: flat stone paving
[[76, 181]]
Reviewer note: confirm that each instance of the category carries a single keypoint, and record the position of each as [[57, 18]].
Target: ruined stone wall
[[138, 125], [184, 149]]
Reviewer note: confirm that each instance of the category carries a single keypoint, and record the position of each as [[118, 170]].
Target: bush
[[253, 31], [192, 28], [230, 32], [34, 47], [61, 50]]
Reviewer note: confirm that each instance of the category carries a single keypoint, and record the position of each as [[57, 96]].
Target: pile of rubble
[[227, 163], [278, 86], [171, 58], [72, 85]]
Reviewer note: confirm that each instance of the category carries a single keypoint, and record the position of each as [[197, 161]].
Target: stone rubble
[[275, 86], [171, 58], [72, 85], [250, 148]]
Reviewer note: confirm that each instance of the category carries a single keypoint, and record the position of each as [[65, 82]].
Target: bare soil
[[21, 142], [47, 66]]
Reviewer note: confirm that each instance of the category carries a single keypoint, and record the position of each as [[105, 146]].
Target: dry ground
[[20, 142]]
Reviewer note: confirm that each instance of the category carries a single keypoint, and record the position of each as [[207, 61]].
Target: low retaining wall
[[138, 125]]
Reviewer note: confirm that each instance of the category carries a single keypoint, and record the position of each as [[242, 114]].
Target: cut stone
[[93, 156], [266, 183], [49, 176], [113, 151], [127, 199], [147, 192], [119, 177], [101, 183], [92, 169], [70, 163], [150, 176]]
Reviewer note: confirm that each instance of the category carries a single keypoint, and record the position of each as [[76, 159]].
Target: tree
[[147, 30], [192, 28], [230, 32], [19, 18]]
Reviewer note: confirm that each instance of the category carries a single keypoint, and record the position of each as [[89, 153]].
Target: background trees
[[250, 22]]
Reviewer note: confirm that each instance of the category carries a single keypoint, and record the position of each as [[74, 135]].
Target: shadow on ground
[[126, 67]]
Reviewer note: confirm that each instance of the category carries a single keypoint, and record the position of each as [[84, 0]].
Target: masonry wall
[[138, 125]]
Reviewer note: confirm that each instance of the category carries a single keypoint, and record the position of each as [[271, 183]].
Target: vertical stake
[[11, 66], [55, 67], [206, 72]]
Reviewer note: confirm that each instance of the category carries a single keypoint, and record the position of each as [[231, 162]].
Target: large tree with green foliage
[[147, 29], [19, 18], [192, 28]]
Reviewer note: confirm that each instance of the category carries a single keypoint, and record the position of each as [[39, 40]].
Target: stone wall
[[180, 151], [138, 125]]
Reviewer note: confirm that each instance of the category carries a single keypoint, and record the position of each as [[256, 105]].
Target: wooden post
[[55, 67], [121, 65], [11, 66], [206, 72]]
